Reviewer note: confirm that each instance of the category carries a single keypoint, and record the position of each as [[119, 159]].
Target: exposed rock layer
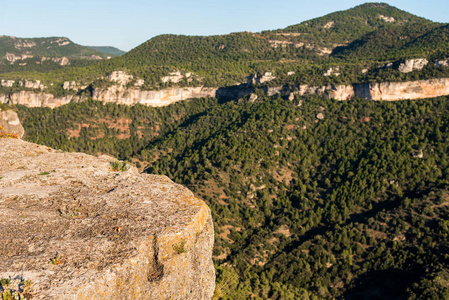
[[10, 122], [120, 94], [79, 230]]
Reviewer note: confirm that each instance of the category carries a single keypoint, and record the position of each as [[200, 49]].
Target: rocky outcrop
[[261, 78], [120, 77], [387, 19], [29, 84], [10, 122], [33, 99], [12, 58], [77, 229], [120, 94], [131, 96], [7, 83], [339, 92], [393, 91], [62, 61], [410, 65], [332, 72], [173, 77]]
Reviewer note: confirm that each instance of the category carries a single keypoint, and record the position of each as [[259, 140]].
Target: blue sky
[[127, 24]]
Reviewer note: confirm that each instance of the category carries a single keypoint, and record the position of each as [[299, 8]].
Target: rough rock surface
[[33, 99], [388, 91], [393, 91], [131, 96], [79, 230], [63, 61], [120, 77], [259, 78], [10, 121], [332, 72], [412, 64]]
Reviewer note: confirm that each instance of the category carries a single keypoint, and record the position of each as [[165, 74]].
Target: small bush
[[180, 248], [3, 134], [4, 282], [119, 166], [57, 260]]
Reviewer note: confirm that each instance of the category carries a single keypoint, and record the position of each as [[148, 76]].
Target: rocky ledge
[[73, 228], [10, 123]]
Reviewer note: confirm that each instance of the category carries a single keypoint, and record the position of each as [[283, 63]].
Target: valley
[[321, 148]]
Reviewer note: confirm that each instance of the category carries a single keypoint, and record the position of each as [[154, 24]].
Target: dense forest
[[311, 198]]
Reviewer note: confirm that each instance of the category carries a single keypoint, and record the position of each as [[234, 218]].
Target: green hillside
[[345, 26], [45, 47], [359, 38], [108, 50], [44, 54]]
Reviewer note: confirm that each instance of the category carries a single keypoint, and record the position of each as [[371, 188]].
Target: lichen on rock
[[79, 230], [10, 123]]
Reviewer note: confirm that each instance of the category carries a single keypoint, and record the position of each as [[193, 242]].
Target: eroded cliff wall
[[393, 91], [120, 94], [10, 123], [77, 229]]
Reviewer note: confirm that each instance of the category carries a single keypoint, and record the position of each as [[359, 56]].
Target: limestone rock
[[412, 64], [394, 91], [387, 19], [139, 82], [95, 57], [252, 98], [33, 99], [79, 230], [332, 72], [291, 96], [32, 84], [62, 61], [13, 58], [259, 78], [163, 97], [7, 83], [70, 85], [120, 94], [121, 77], [320, 116], [418, 153], [10, 121], [173, 77], [329, 25]]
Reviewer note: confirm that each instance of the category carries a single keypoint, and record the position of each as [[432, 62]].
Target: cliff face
[[33, 99], [393, 91], [10, 122], [120, 94], [88, 232], [130, 96]]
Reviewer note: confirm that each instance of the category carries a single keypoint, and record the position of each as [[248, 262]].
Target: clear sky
[[127, 24]]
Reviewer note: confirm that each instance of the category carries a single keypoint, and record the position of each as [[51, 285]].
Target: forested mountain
[[108, 50], [43, 54], [362, 37], [346, 26]]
